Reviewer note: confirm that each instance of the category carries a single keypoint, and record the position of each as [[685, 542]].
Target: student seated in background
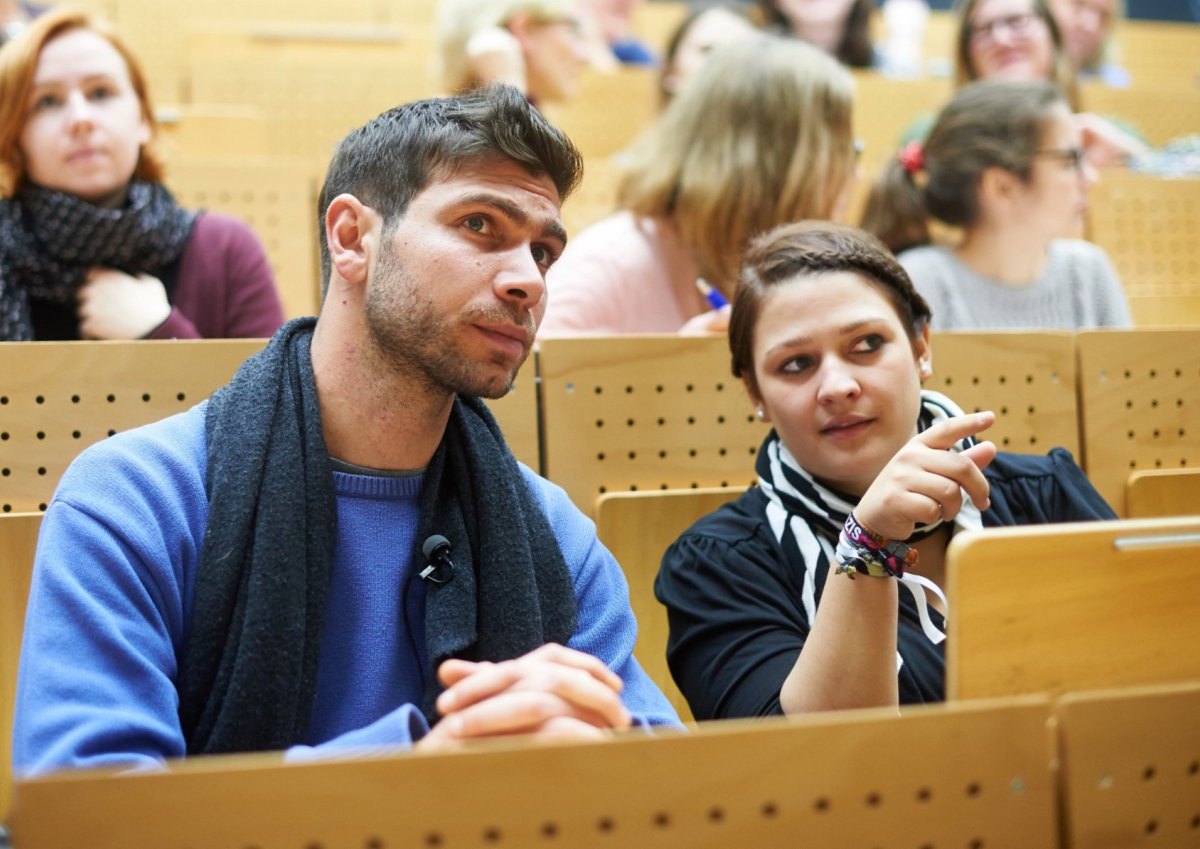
[[761, 135], [842, 28], [338, 551], [704, 28], [818, 588], [538, 46], [1020, 40], [92, 244], [1005, 164], [1087, 34]]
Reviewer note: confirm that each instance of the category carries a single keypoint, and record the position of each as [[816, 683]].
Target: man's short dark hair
[[389, 160]]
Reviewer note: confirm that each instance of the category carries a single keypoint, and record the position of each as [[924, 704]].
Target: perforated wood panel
[[201, 131], [57, 398], [517, 415], [1139, 396], [18, 540], [644, 412], [967, 776], [1056, 608], [1163, 492], [1132, 767], [1027, 379], [637, 527], [1150, 229], [1160, 54], [277, 198]]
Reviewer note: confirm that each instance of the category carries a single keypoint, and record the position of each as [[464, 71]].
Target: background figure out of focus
[[538, 46], [703, 29], [92, 244], [761, 135], [1003, 163]]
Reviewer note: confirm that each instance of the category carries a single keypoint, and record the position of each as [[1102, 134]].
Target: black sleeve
[[1031, 490], [737, 623]]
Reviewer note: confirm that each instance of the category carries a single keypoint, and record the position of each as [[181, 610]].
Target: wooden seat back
[[1056, 608]]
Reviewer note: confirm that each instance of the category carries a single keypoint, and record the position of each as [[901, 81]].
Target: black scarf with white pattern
[[49, 240]]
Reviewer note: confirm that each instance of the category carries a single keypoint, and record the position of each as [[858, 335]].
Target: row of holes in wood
[[1151, 773], [975, 380], [715, 816], [111, 398], [1153, 373]]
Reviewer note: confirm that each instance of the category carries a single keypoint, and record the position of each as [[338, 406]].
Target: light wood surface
[[635, 413], [276, 196], [1157, 115], [517, 415], [970, 775], [1139, 395], [637, 527], [1150, 229], [57, 398], [1131, 767], [1072, 607], [1163, 492], [1026, 379], [18, 541], [610, 110]]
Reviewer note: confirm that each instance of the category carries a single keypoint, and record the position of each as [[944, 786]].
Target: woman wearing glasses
[[1004, 164], [1020, 40]]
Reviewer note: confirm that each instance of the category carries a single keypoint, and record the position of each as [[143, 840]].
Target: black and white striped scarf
[[806, 516]]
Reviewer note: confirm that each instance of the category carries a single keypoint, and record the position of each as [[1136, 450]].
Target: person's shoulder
[[1076, 252], [733, 523], [216, 229], [923, 254], [142, 464], [1009, 466], [623, 228]]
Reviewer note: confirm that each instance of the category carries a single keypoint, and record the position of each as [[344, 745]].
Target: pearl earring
[[761, 414]]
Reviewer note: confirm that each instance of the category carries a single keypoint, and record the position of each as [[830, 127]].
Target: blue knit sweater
[[114, 582]]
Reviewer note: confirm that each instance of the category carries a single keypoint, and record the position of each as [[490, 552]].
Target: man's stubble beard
[[412, 341]]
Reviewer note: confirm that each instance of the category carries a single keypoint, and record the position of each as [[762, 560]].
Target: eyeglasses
[[1073, 156], [1015, 26]]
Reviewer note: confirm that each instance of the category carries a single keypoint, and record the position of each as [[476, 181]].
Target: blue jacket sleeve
[[606, 628]]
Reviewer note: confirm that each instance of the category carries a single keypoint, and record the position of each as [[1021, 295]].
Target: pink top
[[622, 275]]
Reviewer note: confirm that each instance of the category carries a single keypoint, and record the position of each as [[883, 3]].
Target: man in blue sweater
[[337, 551]]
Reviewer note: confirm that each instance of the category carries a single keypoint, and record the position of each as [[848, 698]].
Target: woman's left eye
[[101, 93], [476, 223], [868, 344]]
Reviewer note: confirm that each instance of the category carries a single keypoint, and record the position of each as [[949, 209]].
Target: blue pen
[[715, 299]]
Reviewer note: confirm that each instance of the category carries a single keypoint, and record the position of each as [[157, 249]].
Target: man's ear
[[352, 232]]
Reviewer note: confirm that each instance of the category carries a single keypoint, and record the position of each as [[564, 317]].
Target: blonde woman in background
[[538, 46], [760, 136]]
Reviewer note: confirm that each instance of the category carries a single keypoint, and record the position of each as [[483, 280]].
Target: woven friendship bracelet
[[861, 550]]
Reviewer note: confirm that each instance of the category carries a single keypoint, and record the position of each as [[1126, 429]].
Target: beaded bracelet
[[861, 550]]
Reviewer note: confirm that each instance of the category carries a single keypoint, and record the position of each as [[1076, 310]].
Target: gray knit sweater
[[1078, 288]]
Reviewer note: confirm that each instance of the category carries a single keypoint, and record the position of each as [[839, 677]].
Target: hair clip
[[912, 157]]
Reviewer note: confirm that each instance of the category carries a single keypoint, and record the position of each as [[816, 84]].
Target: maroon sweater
[[225, 288], [221, 287]]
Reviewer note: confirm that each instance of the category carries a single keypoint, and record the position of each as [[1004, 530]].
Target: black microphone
[[437, 557]]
